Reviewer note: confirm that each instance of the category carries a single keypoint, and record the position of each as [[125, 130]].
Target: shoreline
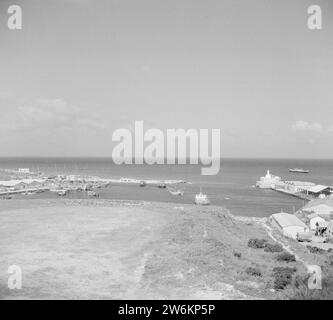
[[239, 195]]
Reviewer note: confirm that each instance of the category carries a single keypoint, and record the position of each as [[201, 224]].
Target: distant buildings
[[24, 170], [288, 224], [298, 186], [21, 182]]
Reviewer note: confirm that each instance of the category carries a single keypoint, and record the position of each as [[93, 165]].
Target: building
[[320, 191], [320, 206], [314, 219], [268, 181], [72, 178], [24, 170], [298, 186], [18, 183], [288, 224]]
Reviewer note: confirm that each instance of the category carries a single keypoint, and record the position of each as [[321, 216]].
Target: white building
[[314, 219], [72, 178], [288, 224], [299, 186], [320, 191], [24, 170]]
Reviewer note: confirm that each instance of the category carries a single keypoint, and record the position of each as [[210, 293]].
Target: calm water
[[232, 188]]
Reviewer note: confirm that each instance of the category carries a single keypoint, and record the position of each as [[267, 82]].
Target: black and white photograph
[[166, 150]]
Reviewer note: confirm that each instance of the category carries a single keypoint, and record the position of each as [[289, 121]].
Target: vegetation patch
[[315, 250], [257, 243], [237, 254], [273, 247], [283, 277], [286, 257], [253, 271]]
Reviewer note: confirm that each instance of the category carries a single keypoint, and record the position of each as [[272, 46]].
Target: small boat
[[297, 170], [176, 192], [6, 197], [29, 193], [93, 194], [62, 193], [161, 185], [143, 183], [201, 199], [87, 187]]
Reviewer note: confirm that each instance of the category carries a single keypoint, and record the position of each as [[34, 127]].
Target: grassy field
[[99, 249]]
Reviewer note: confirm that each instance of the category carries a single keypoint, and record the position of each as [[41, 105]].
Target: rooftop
[[287, 220], [300, 183], [13, 183], [318, 188]]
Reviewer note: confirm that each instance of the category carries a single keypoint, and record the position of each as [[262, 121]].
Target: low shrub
[[315, 249], [257, 243], [330, 260], [273, 248], [290, 270], [237, 254], [253, 271], [283, 277], [286, 257]]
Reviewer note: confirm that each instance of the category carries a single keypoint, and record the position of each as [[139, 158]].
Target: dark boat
[[161, 185], [143, 183], [297, 170]]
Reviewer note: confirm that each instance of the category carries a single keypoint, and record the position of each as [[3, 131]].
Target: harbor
[[233, 188], [27, 183], [312, 224], [87, 220], [301, 189]]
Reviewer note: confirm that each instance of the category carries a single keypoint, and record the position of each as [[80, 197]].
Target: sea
[[233, 187]]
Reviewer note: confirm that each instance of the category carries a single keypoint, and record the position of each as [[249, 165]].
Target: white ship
[[269, 181], [201, 199]]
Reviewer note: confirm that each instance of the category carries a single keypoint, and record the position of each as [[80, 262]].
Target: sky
[[79, 69]]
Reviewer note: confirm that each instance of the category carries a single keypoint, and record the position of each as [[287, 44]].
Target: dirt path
[[286, 247]]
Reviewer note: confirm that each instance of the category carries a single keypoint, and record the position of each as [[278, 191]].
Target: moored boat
[[201, 199], [62, 193], [161, 185], [176, 192], [93, 194], [143, 183]]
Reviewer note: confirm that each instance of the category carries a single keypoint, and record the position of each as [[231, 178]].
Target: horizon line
[[187, 159]]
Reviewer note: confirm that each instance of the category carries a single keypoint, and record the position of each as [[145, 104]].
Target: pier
[[299, 195]]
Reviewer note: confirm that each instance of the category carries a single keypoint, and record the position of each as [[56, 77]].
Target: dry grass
[[114, 250]]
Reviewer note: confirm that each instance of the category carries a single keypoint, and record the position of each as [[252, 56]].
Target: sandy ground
[[99, 249]]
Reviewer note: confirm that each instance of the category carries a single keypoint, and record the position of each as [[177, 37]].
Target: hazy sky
[[81, 68]]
